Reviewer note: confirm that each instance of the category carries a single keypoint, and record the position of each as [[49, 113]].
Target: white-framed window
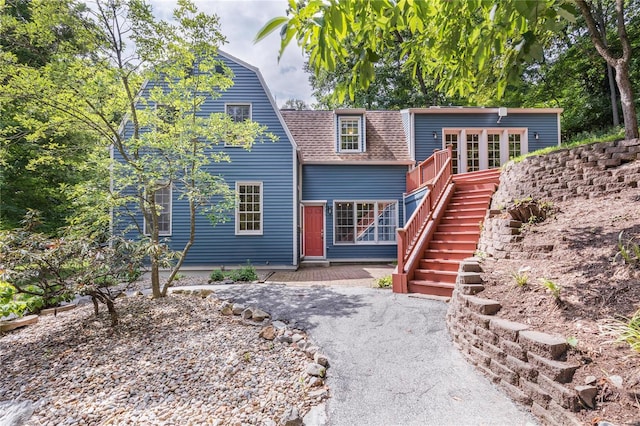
[[350, 137], [451, 139], [473, 152], [365, 222], [484, 148], [238, 112], [493, 150], [163, 200], [249, 214], [515, 145]]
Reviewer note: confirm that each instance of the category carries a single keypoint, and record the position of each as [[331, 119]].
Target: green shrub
[[245, 274], [216, 275], [384, 282]]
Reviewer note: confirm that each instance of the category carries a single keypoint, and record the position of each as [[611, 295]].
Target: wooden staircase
[[456, 234], [445, 227]]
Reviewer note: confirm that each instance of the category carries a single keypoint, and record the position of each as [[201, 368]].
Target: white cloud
[[240, 21]]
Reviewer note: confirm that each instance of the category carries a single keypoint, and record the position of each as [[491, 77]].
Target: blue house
[[334, 187]]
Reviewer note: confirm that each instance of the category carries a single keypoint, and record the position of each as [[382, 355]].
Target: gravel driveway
[[392, 361]]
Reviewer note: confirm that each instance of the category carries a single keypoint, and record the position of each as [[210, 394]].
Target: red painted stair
[[456, 235]]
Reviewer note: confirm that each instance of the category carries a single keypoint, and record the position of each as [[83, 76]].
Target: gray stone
[[247, 314], [616, 381], [227, 281], [543, 344], [238, 308], [283, 339], [311, 350], [226, 308], [296, 337], [317, 416], [259, 315], [587, 395], [315, 370], [279, 325], [13, 413], [321, 359], [291, 417], [315, 381], [589, 380], [205, 292]]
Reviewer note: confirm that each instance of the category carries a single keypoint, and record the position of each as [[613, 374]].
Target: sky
[[240, 21]]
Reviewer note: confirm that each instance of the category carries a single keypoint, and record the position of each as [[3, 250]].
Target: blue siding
[[271, 163], [546, 124], [411, 202], [361, 183]]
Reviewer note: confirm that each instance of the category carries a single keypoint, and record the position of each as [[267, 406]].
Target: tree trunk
[[112, 311], [626, 100], [155, 278], [614, 96]]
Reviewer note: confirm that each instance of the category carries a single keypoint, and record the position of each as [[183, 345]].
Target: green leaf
[[270, 27]]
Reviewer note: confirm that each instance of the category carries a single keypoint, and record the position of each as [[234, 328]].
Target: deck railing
[[410, 234], [425, 172]]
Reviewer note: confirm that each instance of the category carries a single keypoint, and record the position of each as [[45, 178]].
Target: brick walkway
[[337, 275]]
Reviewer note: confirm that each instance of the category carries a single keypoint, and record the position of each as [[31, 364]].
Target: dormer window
[[350, 134]]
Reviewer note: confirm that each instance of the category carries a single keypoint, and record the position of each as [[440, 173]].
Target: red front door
[[313, 244]]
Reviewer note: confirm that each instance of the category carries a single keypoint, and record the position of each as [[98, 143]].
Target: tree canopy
[[463, 45], [100, 89]]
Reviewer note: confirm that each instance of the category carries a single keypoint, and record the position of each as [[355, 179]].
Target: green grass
[[584, 138]]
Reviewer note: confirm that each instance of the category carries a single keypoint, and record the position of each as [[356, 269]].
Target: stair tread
[[437, 271], [431, 283]]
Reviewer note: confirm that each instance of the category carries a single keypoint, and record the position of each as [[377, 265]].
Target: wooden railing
[[410, 235], [425, 172]]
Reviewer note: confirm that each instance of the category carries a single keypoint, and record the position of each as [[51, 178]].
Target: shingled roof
[[314, 133]]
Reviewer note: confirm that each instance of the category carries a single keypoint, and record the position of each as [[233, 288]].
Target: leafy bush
[[216, 275], [384, 282], [41, 272], [246, 273]]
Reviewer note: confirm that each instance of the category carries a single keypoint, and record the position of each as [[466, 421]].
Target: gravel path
[[174, 361]]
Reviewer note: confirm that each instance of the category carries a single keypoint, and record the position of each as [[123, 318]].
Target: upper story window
[[350, 134], [239, 112]]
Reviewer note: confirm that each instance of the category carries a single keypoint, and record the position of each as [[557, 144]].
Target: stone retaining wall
[[586, 171], [528, 365]]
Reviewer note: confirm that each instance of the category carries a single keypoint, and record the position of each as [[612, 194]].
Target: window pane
[[249, 213], [366, 224], [387, 221], [349, 134], [344, 223], [493, 147], [515, 147], [473, 152], [451, 139], [239, 113]]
